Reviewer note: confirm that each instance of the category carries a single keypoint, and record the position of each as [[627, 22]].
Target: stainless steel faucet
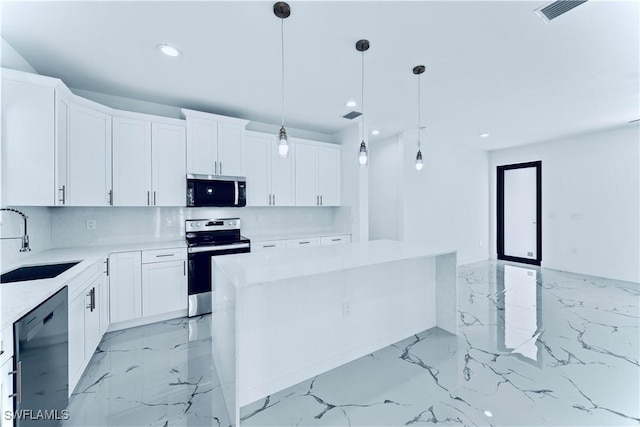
[[25, 238]]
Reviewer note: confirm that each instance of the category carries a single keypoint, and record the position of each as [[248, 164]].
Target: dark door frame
[[500, 212]]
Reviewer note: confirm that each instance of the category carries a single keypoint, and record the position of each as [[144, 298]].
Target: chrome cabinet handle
[[303, 243], [184, 268], [111, 197], [274, 200], [268, 246], [18, 374], [335, 240], [320, 200], [215, 167], [163, 255], [317, 200], [220, 168], [147, 197], [64, 194], [154, 199]]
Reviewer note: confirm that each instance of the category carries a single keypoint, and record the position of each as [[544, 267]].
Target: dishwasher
[[41, 354]]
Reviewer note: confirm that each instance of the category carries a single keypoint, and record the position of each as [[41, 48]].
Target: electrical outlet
[[346, 309], [91, 224]]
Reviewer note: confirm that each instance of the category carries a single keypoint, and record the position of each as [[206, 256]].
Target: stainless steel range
[[207, 238]]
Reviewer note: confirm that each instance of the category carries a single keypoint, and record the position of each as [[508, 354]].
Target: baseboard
[[146, 320]]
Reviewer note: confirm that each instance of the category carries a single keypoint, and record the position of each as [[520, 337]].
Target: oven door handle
[[214, 249], [236, 196]]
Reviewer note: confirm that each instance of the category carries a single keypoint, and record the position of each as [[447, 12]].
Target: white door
[[131, 162], [164, 287], [169, 167], [329, 176], [202, 146], [62, 139], [230, 149], [306, 166], [89, 157], [520, 210], [125, 289], [76, 337], [282, 175], [257, 172]]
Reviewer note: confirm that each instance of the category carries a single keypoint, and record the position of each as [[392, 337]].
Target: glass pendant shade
[[283, 146], [363, 155], [419, 163]]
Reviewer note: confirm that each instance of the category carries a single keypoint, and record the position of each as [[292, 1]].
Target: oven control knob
[[233, 223]]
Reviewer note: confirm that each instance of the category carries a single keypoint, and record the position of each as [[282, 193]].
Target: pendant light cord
[[362, 96], [282, 47], [419, 112]]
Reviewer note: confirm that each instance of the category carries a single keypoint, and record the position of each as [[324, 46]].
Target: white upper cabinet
[[317, 173], [28, 139], [270, 179], [169, 164], [88, 155], [149, 161], [214, 144], [131, 162]]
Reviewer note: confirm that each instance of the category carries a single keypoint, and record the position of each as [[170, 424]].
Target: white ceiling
[[491, 66]]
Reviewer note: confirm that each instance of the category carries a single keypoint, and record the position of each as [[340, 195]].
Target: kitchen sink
[[36, 272]]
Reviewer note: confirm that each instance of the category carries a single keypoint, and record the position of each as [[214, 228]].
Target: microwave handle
[[236, 192]]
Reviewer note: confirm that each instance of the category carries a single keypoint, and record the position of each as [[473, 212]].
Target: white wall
[[12, 225], [144, 224], [590, 201], [385, 197], [355, 185], [10, 58], [447, 204]]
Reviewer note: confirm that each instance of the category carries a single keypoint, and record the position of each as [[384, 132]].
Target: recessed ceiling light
[[375, 132], [351, 104], [169, 50], [484, 135]]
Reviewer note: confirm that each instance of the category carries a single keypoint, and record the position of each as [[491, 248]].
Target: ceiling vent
[[557, 8], [352, 115]]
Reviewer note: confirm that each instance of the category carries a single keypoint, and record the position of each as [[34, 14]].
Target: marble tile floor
[[535, 347]]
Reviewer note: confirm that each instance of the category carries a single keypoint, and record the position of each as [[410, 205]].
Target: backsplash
[[12, 225], [115, 225]]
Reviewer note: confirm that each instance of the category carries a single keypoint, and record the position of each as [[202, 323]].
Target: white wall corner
[[10, 58]]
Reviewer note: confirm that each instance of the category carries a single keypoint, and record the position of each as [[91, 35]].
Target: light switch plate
[[91, 224]]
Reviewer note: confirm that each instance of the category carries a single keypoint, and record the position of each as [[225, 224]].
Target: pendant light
[[363, 155], [418, 70], [282, 11]]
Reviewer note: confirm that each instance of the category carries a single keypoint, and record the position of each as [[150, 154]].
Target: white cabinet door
[[76, 338], [164, 287], [169, 166], [230, 136], [257, 173], [302, 243], [306, 167], [329, 176], [282, 176], [202, 146], [89, 157], [6, 389], [27, 144], [92, 318], [62, 137], [131, 162], [125, 289]]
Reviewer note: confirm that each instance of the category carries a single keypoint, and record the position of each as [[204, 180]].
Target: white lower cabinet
[[301, 243], [164, 284], [335, 240], [125, 286], [268, 245], [84, 321], [6, 389]]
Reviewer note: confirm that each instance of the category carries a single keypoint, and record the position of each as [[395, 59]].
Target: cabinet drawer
[[335, 240], [161, 255], [301, 243], [267, 245]]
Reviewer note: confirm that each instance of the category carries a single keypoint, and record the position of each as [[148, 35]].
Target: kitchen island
[[284, 316]]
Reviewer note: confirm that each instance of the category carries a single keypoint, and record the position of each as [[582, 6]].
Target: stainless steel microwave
[[216, 191]]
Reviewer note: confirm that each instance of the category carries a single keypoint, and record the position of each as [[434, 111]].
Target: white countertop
[[260, 267], [263, 237], [19, 298]]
